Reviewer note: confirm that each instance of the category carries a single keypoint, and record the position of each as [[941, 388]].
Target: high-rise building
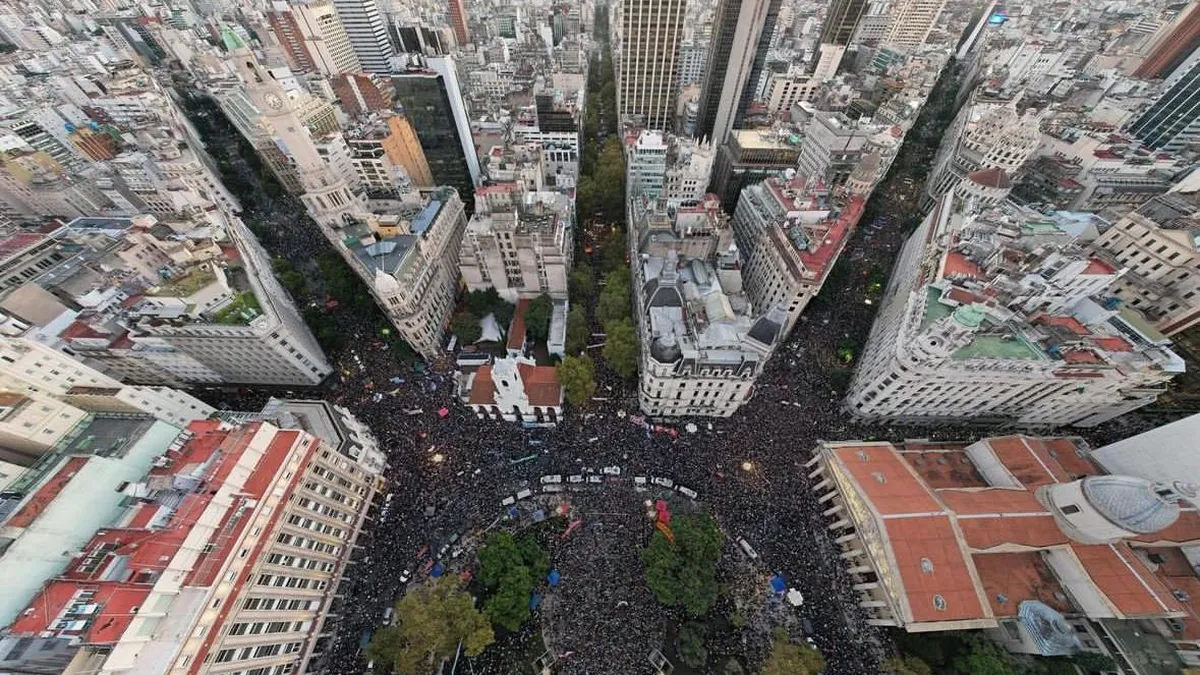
[[1174, 47], [367, 33], [313, 37], [740, 27], [649, 32], [841, 21], [458, 21], [751, 156], [912, 21], [1172, 122], [996, 315], [428, 92]]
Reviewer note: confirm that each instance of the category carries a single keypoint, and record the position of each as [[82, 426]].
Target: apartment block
[[519, 242], [239, 539], [789, 235], [1156, 244], [998, 316]]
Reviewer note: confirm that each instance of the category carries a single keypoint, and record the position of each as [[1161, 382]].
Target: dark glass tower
[[741, 37], [425, 99]]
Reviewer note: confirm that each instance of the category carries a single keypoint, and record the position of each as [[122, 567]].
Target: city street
[[449, 474]]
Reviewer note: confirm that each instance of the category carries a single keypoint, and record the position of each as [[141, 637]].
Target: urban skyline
[[635, 336]]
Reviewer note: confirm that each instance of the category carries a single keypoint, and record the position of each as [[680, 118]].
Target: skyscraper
[[368, 35], [912, 21], [841, 21], [313, 37], [458, 21], [1173, 48], [429, 93], [650, 33], [1173, 121], [740, 27]]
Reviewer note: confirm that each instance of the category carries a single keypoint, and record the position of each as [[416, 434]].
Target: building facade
[[647, 72], [1156, 243], [1172, 122], [367, 33], [519, 242], [973, 328], [253, 594], [739, 27], [789, 235], [912, 21]]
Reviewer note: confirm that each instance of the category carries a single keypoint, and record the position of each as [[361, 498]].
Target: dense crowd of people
[[448, 474]]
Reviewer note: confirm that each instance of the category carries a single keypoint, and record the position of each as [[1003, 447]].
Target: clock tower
[[328, 199]]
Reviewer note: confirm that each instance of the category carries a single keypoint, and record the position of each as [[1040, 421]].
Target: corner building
[[230, 564]]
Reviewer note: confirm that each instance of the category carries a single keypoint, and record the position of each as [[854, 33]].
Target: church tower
[[328, 199]]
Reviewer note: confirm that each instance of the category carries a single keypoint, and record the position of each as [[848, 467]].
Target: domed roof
[[1133, 504]]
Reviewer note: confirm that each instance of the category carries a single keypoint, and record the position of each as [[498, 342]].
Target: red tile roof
[[1080, 356], [33, 507], [541, 385], [991, 501], [1012, 578], [958, 265], [1029, 460], [1069, 322], [516, 334], [982, 534], [1112, 344], [483, 389], [1125, 580], [887, 480], [1186, 530], [115, 612], [1098, 267], [930, 563]]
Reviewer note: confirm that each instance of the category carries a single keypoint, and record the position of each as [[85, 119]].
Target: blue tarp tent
[[539, 516], [535, 602], [554, 577], [437, 571], [778, 584]]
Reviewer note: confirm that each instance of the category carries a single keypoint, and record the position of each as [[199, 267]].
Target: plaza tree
[[430, 622], [683, 573], [465, 327], [577, 331], [908, 665], [691, 645], [621, 347], [789, 658], [488, 301], [581, 284], [577, 375], [537, 317], [509, 569], [614, 303]]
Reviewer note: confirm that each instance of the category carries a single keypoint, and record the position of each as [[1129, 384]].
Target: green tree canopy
[[465, 326], [691, 645], [577, 375], [430, 621], [981, 656], [621, 347], [509, 569], [909, 665], [614, 303], [581, 283], [537, 317], [788, 658], [684, 572], [577, 331]]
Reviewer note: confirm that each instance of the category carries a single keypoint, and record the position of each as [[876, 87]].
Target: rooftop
[[967, 536]]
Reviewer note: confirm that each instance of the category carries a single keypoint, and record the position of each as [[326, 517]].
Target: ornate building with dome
[[1023, 537]]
